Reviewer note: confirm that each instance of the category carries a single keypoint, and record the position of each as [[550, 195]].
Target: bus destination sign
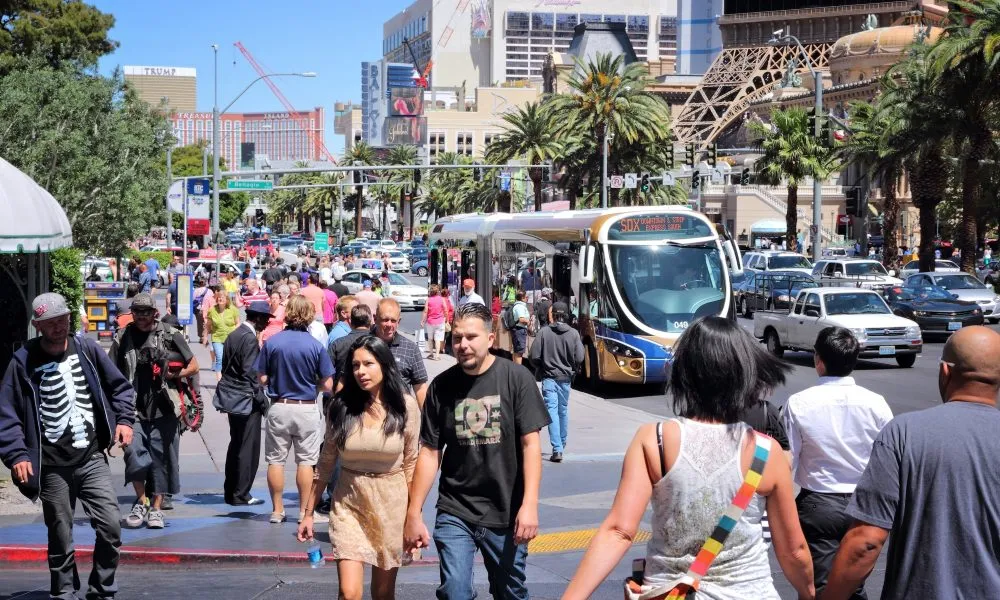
[[649, 226]]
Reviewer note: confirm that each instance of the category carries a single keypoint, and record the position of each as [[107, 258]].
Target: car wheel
[[422, 271], [773, 343], [906, 360]]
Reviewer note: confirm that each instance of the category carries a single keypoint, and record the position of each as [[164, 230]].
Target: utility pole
[[817, 182], [215, 158], [604, 169], [170, 215]]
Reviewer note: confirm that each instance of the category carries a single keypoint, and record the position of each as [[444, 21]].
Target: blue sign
[[199, 187], [505, 182]]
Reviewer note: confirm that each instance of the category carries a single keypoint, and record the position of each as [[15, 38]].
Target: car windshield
[[789, 261], [866, 268], [959, 282], [856, 303], [945, 264], [397, 279], [667, 287], [931, 292], [258, 242]]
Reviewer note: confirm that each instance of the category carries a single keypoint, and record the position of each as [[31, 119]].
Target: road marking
[[570, 541]]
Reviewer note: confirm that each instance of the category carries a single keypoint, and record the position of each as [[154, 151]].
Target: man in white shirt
[[470, 295], [831, 428]]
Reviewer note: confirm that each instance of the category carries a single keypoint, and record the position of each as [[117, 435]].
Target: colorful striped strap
[[713, 544]]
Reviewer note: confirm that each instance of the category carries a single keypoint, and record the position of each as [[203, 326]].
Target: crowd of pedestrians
[[331, 381]]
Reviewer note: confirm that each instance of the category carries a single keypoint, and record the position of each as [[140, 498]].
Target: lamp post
[[777, 38], [216, 114]]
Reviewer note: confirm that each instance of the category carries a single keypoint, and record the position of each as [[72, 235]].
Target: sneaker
[[167, 503], [137, 516], [323, 507], [155, 519], [278, 517], [556, 457], [254, 501]]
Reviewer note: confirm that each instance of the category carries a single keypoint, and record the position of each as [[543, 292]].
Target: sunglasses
[[144, 312]]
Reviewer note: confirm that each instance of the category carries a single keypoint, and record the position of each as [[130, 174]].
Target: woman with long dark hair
[[374, 426], [690, 470]]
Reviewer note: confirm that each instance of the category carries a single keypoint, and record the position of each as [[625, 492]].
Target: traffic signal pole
[[817, 183]]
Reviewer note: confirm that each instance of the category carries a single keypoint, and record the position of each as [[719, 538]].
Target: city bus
[[635, 278]]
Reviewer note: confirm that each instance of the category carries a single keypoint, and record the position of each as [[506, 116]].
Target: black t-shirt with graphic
[[478, 422], [66, 408]]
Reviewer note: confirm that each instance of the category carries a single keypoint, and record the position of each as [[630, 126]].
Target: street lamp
[[778, 37]]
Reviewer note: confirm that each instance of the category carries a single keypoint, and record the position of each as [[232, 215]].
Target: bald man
[[933, 481]]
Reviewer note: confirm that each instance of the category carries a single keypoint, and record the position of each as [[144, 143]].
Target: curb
[[37, 554]]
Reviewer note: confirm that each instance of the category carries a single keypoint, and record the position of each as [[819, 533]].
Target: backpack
[[196, 304], [509, 320]]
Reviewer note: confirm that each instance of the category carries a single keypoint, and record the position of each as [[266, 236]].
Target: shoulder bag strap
[[714, 543], [659, 445]]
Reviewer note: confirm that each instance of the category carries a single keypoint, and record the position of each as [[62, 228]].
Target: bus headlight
[[621, 349]]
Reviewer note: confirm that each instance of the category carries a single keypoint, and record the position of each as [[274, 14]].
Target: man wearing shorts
[[294, 369], [519, 334]]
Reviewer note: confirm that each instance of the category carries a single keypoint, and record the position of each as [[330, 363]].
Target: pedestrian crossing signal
[[745, 177], [259, 217]]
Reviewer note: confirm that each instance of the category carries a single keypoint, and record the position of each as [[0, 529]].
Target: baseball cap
[[547, 292], [143, 300], [368, 284], [48, 306], [259, 307], [561, 308], [468, 283]]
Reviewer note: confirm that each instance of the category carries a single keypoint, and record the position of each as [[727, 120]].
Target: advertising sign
[[406, 102], [405, 130], [185, 293], [175, 196]]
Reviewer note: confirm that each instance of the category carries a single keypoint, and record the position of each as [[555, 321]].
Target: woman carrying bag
[[697, 469]]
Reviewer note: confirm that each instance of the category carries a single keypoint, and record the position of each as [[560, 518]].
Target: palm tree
[[363, 154], [878, 153], [609, 98], [318, 199], [791, 154], [444, 194], [401, 180], [531, 134]]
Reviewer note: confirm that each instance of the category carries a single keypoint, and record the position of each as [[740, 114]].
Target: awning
[[768, 226], [31, 220]]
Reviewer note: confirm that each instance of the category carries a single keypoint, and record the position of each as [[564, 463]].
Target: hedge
[[163, 257], [67, 280]]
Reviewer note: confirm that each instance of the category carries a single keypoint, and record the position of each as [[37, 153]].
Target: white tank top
[[687, 505]]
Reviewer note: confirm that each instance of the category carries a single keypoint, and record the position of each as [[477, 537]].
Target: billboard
[[400, 131], [372, 101], [406, 101]]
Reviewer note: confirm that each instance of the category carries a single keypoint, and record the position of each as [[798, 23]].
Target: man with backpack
[[157, 360], [557, 356], [515, 320]]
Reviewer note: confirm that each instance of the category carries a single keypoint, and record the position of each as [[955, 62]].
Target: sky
[[330, 37]]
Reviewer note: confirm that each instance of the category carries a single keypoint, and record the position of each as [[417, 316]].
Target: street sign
[[716, 175], [617, 182], [175, 196], [199, 226], [505, 181], [321, 243], [199, 186], [813, 229], [631, 180], [843, 219], [800, 213], [250, 184], [667, 178]]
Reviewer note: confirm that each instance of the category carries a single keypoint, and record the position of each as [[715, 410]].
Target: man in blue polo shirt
[[154, 270]]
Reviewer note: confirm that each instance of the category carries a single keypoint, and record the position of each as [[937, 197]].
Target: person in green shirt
[[222, 319]]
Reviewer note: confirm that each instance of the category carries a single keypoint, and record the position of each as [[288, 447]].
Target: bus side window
[[600, 308]]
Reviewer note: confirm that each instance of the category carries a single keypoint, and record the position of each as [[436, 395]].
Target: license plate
[[886, 350], [954, 326]]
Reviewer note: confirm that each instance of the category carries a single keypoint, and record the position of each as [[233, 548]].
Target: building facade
[[276, 136], [479, 43], [175, 87]]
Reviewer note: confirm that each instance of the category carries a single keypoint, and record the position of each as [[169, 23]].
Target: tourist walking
[[221, 320], [143, 351], [932, 482], [469, 294], [278, 300], [407, 353], [368, 296], [343, 325], [240, 396], [435, 320], [831, 428], [557, 355], [361, 325], [480, 423], [374, 430], [698, 467], [294, 369], [521, 318], [62, 460]]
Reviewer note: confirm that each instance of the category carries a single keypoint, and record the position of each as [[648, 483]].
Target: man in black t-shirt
[[143, 351], [270, 275], [484, 414]]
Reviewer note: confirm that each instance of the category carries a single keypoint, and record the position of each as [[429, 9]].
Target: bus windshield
[[668, 287]]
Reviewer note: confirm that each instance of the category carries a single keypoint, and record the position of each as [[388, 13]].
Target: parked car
[[770, 290], [940, 266], [965, 287], [419, 268], [989, 274], [777, 260], [408, 295], [398, 261], [881, 333], [934, 308], [417, 254], [257, 246], [383, 244], [863, 273], [225, 266]]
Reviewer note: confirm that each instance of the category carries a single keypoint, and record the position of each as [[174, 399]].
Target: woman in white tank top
[[690, 468]]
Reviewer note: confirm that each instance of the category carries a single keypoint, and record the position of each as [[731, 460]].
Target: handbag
[[686, 585]]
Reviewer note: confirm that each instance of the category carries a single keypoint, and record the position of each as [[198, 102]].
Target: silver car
[[940, 266], [964, 287]]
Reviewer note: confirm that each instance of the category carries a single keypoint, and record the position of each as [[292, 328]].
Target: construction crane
[[422, 78], [292, 113]]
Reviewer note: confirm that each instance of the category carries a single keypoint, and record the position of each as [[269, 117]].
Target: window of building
[[436, 143], [614, 18], [638, 24], [518, 21], [668, 26], [487, 140], [463, 143], [542, 21], [590, 18], [565, 22]]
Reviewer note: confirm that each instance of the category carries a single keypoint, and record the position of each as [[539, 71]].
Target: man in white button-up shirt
[[831, 428]]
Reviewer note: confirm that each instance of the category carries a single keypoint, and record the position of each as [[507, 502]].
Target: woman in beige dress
[[374, 427]]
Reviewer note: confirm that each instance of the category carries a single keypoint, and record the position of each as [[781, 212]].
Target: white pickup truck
[[881, 333]]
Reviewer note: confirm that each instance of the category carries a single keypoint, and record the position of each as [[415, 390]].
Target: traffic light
[[259, 219], [853, 202], [695, 181], [689, 150], [644, 183], [477, 172], [670, 157], [327, 216], [745, 177], [416, 178], [357, 177], [713, 155]]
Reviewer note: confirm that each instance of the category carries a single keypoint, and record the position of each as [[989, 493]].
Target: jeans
[[824, 524], [556, 396], [91, 483], [217, 351], [457, 542]]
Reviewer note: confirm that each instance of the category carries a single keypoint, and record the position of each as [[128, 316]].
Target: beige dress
[[368, 510]]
